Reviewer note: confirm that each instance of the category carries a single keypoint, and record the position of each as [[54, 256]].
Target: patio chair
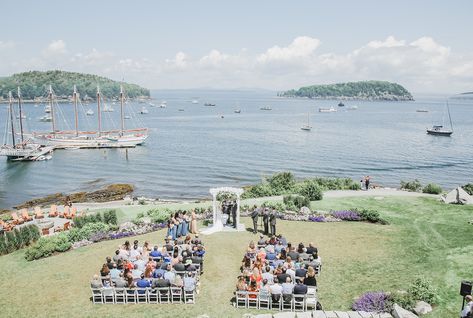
[[73, 213], [287, 302], [6, 225], [25, 215], [189, 296], [119, 295], [16, 219], [107, 295], [38, 214], [299, 302], [53, 211], [44, 231], [241, 299], [176, 294], [96, 295], [252, 299], [164, 296], [67, 226], [152, 296], [141, 295], [130, 296], [65, 213]]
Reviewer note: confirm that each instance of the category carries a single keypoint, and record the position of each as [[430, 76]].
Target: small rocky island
[[364, 90]]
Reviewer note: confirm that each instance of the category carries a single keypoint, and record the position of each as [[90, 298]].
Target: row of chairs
[[286, 302], [165, 295]]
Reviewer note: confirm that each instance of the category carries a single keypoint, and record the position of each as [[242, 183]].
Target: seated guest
[[136, 273], [293, 254], [300, 288], [272, 240], [261, 241], [200, 250], [271, 255], [114, 272], [309, 279], [149, 271], [241, 283], [251, 250], [158, 271], [145, 249], [117, 256], [109, 262], [168, 244], [291, 272], [282, 240], [196, 240], [128, 265], [276, 291], [120, 264], [104, 272], [123, 253], [120, 282], [304, 255], [169, 275], [160, 282], [155, 253], [300, 248], [268, 275], [282, 255], [301, 272], [179, 266], [283, 276], [178, 282], [256, 276], [252, 288], [264, 291], [287, 289], [245, 263], [134, 253], [278, 247], [96, 282], [288, 263], [189, 282], [142, 283], [140, 263], [311, 249], [299, 263]]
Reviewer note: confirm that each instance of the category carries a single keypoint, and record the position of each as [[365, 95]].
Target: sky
[[425, 46]]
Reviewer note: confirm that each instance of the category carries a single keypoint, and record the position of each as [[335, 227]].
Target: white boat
[[237, 111], [195, 101], [46, 118], [327, 110], [151, 104], [126, 117], [108, 108], [307, 127], [24, 149], [143, 111], [266, 108], [47, 109], [354, 107], [163, 104], [90, 112], [422, 110], [119, 138]]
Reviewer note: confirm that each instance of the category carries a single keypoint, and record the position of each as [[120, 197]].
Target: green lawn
[[424, 237]]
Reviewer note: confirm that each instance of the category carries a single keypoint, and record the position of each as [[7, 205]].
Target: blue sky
[[222, 44]]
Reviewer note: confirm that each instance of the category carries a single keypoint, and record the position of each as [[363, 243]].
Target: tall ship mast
[[25, 150], [100, 138]]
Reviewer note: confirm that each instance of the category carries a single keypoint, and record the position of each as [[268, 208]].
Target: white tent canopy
[[457, 196]]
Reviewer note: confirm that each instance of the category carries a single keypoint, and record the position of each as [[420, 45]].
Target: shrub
[[432, 188], [370, 216], [84, 233], [282, 182], [159, 215], [347, 215], [468, 188], [110, 217], [413, 186], [257, 191], [10, 239], [296, 201], [371, 302], [403, 299], [48, 245], [311, 190], [422, 289], [3, 246], [17, 241], [278, 206]]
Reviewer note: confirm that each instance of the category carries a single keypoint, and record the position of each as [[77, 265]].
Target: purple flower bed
[[346, 215], [317, 218], [371, 302]]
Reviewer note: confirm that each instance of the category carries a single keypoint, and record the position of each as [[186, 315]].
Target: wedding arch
[[218, 224]]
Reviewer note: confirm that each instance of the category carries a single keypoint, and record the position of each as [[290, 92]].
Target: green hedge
[[107, 217], [432, 188], [47, 246], [413, 186], [85, 232], [18, 238]]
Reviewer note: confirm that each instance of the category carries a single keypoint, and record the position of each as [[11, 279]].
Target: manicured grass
[[424, 237]]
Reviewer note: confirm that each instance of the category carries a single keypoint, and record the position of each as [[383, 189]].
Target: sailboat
[[439, 130], [92, 139], [307, 127], [108, 108], [90, 112], [25, 150]]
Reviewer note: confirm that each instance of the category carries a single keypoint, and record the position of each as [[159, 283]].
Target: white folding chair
[[264, 300], [130, 296], [119, 295], [153, 296], [252, 301], [164, 296], [189, 296], [107, 295], [299, 302], [97, 295], [176, 294], [276, 301], [141, 295], [241, 299], [287, 302]]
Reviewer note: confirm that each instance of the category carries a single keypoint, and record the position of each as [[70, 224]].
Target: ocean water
[[192, 150]]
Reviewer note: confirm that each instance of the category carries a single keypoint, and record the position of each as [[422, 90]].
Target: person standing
[[234, 214], [362, 183], [193, 222], [367, 182], [254, 217], [272, 222], [266, 221]]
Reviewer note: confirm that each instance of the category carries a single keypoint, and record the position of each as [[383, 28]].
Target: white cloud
[[420, 65], [6, 45], [55, 47]]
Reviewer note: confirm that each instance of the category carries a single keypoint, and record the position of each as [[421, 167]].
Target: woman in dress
[[185, 224], [193, 223]]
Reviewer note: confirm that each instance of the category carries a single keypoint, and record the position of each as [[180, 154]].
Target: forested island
[[34, 85], [364, 90]]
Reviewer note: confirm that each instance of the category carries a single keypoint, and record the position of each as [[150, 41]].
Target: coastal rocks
[[399, 312], [81, 244], [422, 308], [113, 192]]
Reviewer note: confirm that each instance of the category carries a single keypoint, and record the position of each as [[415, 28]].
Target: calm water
[[192, 150]]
